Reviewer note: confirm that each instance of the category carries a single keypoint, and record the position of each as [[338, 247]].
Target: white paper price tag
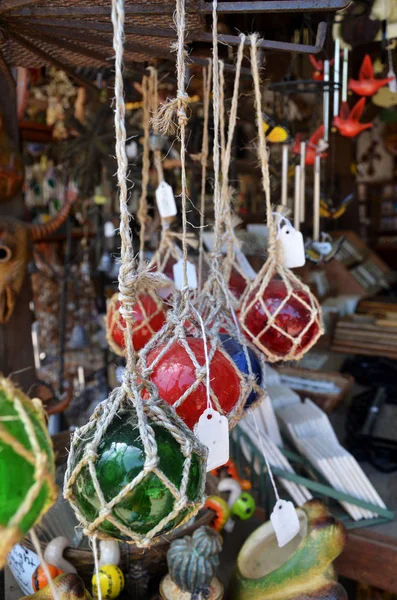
[[165, 200], [23, 563], [212, 429], [285, 522], [191, 275], [292, 246]]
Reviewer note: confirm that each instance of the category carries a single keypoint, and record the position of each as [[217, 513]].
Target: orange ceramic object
[[39, 578], [348, 123], [311, 146], [366, 84], [221, 509]]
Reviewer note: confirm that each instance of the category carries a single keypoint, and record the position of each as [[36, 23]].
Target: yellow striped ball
[[111, 580]]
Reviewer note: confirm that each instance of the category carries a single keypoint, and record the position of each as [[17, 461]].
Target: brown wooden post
[[16, 351]]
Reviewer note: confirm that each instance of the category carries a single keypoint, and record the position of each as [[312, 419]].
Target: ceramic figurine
[[68, 587], [301, 569], [192, 563]]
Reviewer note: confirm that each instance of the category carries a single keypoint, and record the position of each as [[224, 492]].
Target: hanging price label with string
[[291, 244], [165, 200], [212, 429], [285, 521], [190, 272]]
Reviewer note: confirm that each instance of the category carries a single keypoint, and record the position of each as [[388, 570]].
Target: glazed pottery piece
[[300, 570], [170, 591], [68, 587]]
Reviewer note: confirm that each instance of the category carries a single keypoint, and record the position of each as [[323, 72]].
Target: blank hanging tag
[[285, 522], [212, 429], [293, 248], [165, 200], [191, 275]]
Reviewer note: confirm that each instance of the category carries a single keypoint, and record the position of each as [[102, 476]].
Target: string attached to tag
[[291, 242], [212, 428], [284, 517]]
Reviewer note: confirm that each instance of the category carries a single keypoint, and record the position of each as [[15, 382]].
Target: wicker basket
[[325, 400]]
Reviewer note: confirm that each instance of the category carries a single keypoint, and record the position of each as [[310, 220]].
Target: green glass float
[[301, 569], [27, 469], [117, 491]]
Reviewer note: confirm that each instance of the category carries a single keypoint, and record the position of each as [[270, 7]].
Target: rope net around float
[[298, 343], [102, 519], [215, 301], [36, 453], [185, 328]]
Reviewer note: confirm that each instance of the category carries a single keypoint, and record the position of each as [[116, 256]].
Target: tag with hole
[[165, 200], [293, 248], [23, 563], [191, 275], [212, 429], [285, 522]]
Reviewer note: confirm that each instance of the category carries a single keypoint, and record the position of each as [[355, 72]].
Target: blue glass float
[[236, 352]]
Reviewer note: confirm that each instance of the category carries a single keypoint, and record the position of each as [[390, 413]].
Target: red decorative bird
[[348, 122], [312, 147], [318, 65], [367, 85]]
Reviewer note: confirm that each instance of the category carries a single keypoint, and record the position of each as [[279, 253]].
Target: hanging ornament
[[149, 317], [178, 370], [253, 365], [278, 314], [314, 145], [318, 66], [135, 471], [367, 85], [27, 488], [348, 123]]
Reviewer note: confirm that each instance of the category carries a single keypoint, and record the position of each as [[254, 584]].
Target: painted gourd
[[301, 569], [193, 560], [25, 449]]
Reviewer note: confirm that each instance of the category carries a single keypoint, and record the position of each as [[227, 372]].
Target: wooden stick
[[302, 201], [336, 77], [284, 176], [316, 200], [297, 197]]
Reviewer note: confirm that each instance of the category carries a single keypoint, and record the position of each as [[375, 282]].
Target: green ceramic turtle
[[301, 570]]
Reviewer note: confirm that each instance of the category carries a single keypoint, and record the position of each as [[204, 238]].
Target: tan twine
[[184, 321], [128, 397], [215, 302], [207, 71], [274, 266], [42, 464]]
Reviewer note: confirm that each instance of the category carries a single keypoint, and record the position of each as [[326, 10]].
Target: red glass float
[[175, 374], [290, 321], [237, 283], [149, 314], [366, 84]]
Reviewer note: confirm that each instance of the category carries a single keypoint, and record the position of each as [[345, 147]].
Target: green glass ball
[[120, 458], [244, 506], [17, 466]]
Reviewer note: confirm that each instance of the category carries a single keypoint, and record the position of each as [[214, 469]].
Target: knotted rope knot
[[181, 503], [90, 454], [104, 512], [151, 463], [182, 99]]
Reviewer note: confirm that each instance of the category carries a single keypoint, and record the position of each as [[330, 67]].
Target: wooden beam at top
[[6, 5], [46, 58], [198, 7]]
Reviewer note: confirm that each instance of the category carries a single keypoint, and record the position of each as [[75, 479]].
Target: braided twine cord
[[184, 320], [215, 301], [127, 398], [273, 266], [41, 461]]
